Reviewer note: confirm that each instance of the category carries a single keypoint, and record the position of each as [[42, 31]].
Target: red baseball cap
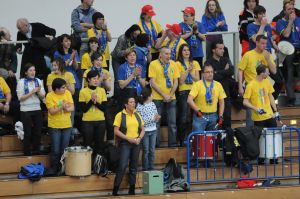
[[175, 28], [148, 9], [189, 10]]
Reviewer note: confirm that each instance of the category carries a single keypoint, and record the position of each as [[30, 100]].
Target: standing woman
[[93, 46], [129, 128], [246, 17], [193, 33], [30, 92], [131, 76], [103, 35], [92, 100], [214, 21], [189, 74], [151, 27], [69, 55], [59, 71], [59, 103]]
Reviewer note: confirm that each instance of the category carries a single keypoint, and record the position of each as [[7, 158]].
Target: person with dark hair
[[31, 53], [143, 56], [164, 74], [92, 100], [30, 92], [69, 55], [93, 46], [258, 97], [131, 76], [81, 21], [104, 76], [103, 35], [260, 27], [59, 103], [223, 72], [189, 74], [206, 99], [246, 17], [150, 27], [247, 67], [148, 111], [213, 20], [124, 42], [59, 71], [129, 129], [171, 39], [288, 28], [193, 33]]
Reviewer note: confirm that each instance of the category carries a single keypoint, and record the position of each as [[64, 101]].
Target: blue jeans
[[60, 140], [128, 152], [205, 123], [149, 150], [170, 107]]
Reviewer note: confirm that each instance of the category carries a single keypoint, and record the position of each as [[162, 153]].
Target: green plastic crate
[[153, 182]]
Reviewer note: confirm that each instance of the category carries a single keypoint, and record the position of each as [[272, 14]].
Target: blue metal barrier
[[278, 158]]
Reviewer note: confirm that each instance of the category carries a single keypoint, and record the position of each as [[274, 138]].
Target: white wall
[[120, 14]]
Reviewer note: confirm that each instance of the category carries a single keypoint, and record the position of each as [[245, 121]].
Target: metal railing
[[278, 159]]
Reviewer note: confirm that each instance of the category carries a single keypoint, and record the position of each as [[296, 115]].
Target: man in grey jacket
[[81, 20]]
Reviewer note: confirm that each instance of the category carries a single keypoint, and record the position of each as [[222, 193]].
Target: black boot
[[131, 190], [115, 191]]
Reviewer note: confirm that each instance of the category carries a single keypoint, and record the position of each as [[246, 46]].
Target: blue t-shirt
[[141, 57], [253, 28], [194, 41], [125, 71], [67, 57], [294, 37]]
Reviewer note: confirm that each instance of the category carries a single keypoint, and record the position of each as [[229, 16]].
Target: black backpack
[[112, 155], [174, 178], [100, 166], [248, 138]]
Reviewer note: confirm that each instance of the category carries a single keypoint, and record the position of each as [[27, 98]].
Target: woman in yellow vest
[[60, 104], [92, 100], [129, 128], [103, 35]]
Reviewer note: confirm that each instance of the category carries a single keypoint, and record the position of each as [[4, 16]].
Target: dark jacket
[[221, 75], [245, 18], [32, 54]]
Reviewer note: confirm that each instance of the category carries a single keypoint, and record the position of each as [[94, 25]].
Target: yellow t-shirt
[[86, 62], [198, 91], [132, 124], [61, 119], [156, 26], [172, 43], [156, 71], [88, 70], [69, 77], [258, 95], [91, 33], [181, 70], [93, 114], [249, 62], [4, 88]]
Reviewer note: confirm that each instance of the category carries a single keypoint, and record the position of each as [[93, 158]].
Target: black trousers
[[128, 152], [93, 134], [32, 126], [269, 123], [227, 113]]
